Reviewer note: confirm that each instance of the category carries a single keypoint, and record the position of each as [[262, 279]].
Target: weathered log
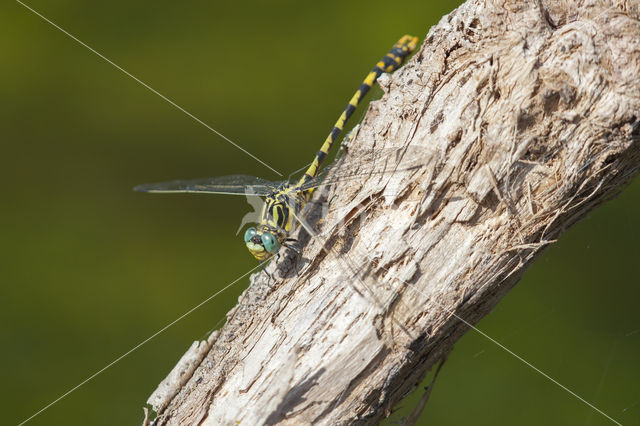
[[513, 121]]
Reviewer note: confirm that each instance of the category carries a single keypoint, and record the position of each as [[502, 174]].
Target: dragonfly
[[284, 201]]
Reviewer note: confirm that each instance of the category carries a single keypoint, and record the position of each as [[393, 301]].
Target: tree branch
[[513, 121]]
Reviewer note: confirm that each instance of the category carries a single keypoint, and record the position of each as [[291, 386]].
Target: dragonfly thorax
[[280, 209]]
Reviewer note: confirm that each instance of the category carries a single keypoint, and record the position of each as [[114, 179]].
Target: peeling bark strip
[[522, 117]]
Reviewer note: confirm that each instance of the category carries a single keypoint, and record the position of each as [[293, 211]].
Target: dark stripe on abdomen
[[398, 51], [348, 111], [387, 60], [321, 156]]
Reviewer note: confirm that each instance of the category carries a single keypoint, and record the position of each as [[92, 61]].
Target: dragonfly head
[[261, 242]]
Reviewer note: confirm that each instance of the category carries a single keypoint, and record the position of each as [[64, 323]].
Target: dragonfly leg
[[292, 244], [264, 269]]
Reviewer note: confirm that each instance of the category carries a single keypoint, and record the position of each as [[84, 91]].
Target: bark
[[513, 121]]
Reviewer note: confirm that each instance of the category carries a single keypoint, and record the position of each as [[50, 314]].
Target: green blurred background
[[90, 268]]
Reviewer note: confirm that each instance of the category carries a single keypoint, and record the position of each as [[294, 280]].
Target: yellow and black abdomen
[[390, 62]]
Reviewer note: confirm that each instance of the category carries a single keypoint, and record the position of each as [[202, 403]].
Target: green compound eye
[[270, 243], [249, 234]]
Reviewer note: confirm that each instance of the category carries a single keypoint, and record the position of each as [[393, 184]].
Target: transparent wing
[[370, 163], [233, 184]]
